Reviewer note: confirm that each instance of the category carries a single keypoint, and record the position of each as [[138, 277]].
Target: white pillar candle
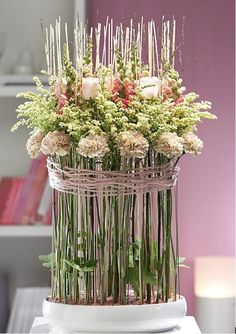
[[215, 293]]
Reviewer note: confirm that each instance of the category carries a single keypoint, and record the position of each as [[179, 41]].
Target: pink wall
[[206, 187]]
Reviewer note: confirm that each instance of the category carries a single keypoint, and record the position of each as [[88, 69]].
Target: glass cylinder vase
[[115, 232]]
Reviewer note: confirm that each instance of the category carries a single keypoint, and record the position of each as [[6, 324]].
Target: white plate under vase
[[147, 318]]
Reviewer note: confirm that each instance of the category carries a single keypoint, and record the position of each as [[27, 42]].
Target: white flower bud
[[150, 86], [90, 88], [181, 90]]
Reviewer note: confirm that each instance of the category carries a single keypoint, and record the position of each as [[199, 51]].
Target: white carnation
[[192, 144], [56, 142], [169, 144], [132, 144], [93, 146], [33, 144]]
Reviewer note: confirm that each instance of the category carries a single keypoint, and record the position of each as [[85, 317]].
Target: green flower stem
[[148, 246], [140, 249], [168, 242], [54, 236], [60, 234], [108, 246], [106, 239], [177, 274], [87, 249], [75, 219], [126, 221], [115, 277], [174, 269], [161, 271], [101, 243], [159, 257]]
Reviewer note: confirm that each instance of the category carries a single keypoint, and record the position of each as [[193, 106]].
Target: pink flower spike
[[179, 100], [167, 91], [116, 86], [62, 102], [60, 87], [125, 103]]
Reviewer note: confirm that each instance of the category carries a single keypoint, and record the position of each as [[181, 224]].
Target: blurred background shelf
[[36, 231], [21, 245], [12, 84]]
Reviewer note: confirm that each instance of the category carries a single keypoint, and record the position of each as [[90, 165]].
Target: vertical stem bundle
[[117, 248]]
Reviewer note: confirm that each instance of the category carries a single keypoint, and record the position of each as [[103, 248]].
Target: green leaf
[[45, 258], [47, 265], [48, 260], [131, 257], [149, 277], [181, 259], [80, 247], [180, 262], [88, 266], [133, 279], [82, 234], [68, 268], [90, 263], [184, 266], [73, 264], [134, 252]]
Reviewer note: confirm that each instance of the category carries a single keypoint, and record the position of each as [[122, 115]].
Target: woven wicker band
[[108, 183]]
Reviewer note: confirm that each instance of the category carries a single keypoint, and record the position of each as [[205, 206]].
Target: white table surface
[[187, 325]]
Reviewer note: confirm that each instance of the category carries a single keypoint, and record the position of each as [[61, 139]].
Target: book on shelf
[[44, 208], [26, 200], [47, 218], [9, 198], [5, 186]]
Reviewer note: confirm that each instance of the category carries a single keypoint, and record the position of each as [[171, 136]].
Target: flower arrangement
[[114, 128]]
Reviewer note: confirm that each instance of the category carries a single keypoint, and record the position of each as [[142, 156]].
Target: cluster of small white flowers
[[33, 144], [169, 144], [132, 144], [56, 142], [192, 144], [93, 146]]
